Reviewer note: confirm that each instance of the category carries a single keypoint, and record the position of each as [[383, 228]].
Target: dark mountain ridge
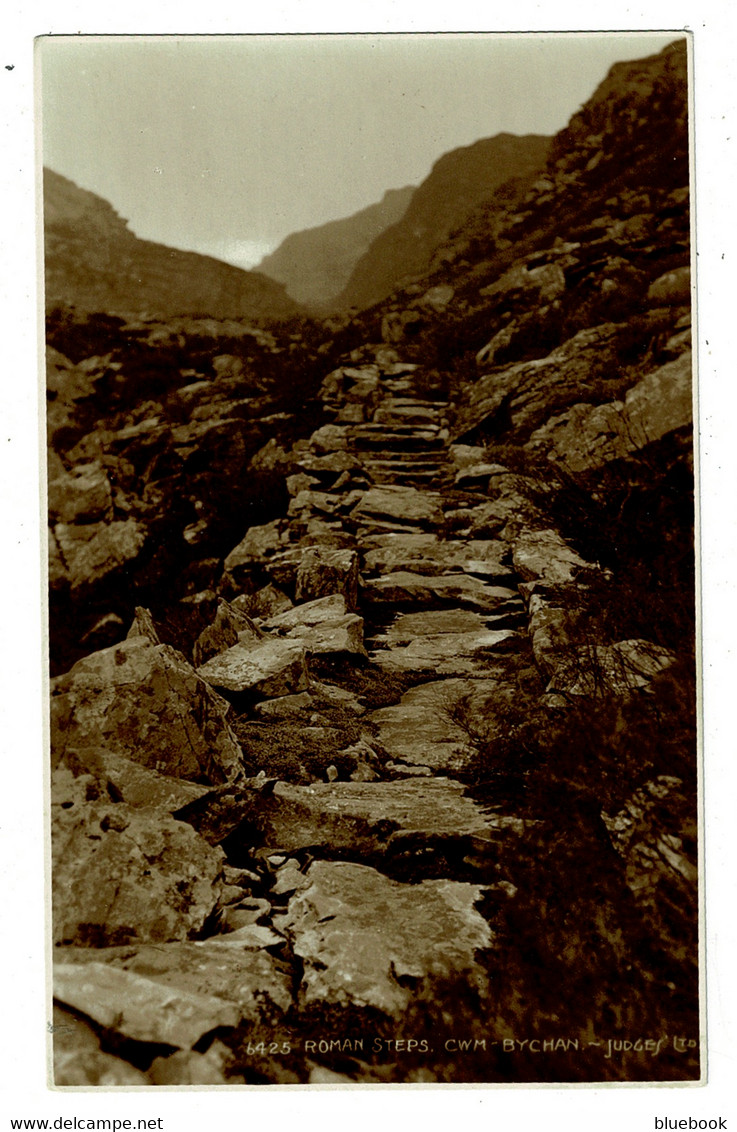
[[458, 182], [94, 262]]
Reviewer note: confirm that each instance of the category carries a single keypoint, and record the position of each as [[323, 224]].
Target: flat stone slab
[[323, 627], [405, 504], [447, 654], [438, 724], [275, 667], [192, 982], [140, 1008], [407, 588], [429, 622], [365, 817], [344, 636], [309, 614], [367, 941], [427, 554], [139, 786]]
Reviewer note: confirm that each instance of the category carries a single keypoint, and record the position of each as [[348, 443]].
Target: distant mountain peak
[[315, 265]]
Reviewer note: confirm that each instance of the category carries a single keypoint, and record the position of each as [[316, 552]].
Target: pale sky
[[226, 144]]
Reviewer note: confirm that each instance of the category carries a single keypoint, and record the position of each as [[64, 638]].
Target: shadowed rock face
[[459, 181], [401, 739]]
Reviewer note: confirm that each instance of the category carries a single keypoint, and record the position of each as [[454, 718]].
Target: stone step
[[405, 588], [423, 403], [401, 428], [432, 459], [406, 414], [407, 476], [386, 441], [403, 468]]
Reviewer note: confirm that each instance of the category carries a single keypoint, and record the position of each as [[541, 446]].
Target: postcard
[[373, 642]]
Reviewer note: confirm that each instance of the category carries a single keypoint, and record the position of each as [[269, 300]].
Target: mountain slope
[[94, 262], [460, 180], [315, 265]]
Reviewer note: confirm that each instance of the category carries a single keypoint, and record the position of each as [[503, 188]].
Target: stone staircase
[[342, 716]]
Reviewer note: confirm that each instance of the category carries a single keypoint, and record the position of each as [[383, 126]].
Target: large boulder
[[587, 437], [145, 702], [122, 874]]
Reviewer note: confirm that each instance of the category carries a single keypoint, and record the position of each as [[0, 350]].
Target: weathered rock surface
[[122, 874], [92, 552], [447, 654], [427, 554], [205, 979], [544, 556], [229, 627], [79, 1060], [370, 817], [140, 1008], [135, 784], [588, 436], [405, 504], [403, 587], [274, 667], [422, 729], [354, 957], [323, 571], [605, 670], [144, 702]]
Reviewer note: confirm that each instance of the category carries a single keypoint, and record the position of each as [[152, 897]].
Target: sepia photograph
[[373, 647]]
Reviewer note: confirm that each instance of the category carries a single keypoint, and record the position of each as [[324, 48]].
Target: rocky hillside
[[315, 265], [94, 262], [373, 718], [459, 181]]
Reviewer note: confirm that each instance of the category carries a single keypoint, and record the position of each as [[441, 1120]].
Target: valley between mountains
[[372, 631]]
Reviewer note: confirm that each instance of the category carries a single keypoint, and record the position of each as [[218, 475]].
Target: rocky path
[[304, 875]]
